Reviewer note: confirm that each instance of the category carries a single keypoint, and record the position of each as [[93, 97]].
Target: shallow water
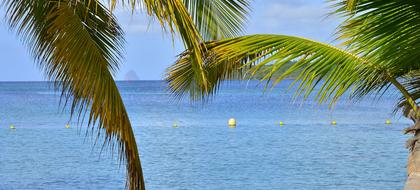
[[361, 152]]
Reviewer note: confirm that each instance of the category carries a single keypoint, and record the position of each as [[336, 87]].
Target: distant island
[[131, 75]]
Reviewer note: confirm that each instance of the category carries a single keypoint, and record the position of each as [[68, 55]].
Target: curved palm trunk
[[413, 165]]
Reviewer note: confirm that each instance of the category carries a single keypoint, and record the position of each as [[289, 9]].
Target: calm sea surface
[[361, 152]]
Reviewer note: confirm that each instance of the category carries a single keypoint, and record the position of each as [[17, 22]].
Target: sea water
[[307, 152]]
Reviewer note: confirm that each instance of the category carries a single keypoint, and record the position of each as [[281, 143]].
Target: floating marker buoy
[[281, 123], [12, 127], [175, 125], [67, 126], [333, 122], [388, 122], [232, 123]]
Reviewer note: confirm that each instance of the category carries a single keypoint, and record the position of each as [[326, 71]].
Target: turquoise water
[[361, 152]]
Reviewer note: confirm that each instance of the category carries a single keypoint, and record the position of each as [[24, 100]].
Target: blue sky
[[149, 52]]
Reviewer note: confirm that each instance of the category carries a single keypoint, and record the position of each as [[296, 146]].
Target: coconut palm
[[378, 47], [79, 44]]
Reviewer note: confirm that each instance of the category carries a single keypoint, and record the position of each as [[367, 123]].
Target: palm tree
[[378, 47], [78, 44]]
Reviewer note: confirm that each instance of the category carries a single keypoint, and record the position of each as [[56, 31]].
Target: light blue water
[[361, 152]]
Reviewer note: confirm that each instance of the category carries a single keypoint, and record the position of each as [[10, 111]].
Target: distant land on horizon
[[131, 76]]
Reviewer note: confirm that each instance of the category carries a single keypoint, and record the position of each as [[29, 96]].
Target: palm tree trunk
[[413, 165]]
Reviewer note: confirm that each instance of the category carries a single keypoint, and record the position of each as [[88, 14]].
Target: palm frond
[[216, 19], [196, 21], [79, 45], [174, 17], [411, 82], [381, 35], [386, 31], [183, 79], [383, 30], [332, 69]]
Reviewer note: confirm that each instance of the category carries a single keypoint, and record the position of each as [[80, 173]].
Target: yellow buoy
[[12, 127], [281, 123], [388, 122], [232, 123], [333, 122], [175, 125], [67, 126]]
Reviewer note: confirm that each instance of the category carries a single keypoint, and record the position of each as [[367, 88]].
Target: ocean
[[307, 152]]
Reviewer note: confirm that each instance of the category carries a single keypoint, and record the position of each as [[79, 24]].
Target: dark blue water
[[361, 152]]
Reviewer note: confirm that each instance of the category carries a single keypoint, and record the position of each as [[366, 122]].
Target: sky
[[149, 51]]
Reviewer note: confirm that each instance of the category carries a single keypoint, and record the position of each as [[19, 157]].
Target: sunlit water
[[361, 152]]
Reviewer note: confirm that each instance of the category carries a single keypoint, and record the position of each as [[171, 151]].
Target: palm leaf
[[412, 84], [212, 19], [216, 19], [384, 30], [183, 80], [79, 44], [334, 70], [382, 35], [173, 16]]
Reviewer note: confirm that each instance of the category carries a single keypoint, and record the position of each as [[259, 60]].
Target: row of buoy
[[231, 123], [13, 126]]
